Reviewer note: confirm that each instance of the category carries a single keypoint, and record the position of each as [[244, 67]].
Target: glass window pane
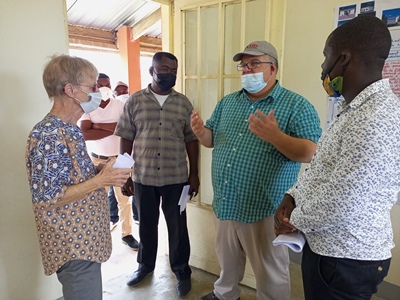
[[232, 85], [232, 36], [256, 12], [209, 89], [191, 42], [209, 40], [191, 91]]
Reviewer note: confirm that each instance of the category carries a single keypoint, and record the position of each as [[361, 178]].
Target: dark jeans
[[148, 204], [114, 206], [330, 278]]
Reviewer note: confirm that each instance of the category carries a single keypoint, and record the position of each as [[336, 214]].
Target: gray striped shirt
[[160, 134]]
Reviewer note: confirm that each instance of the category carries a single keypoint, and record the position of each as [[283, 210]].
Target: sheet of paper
[[294, 240], [184, 198], [124, 161]]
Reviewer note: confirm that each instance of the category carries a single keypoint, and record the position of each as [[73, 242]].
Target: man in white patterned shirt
[[343, 199]]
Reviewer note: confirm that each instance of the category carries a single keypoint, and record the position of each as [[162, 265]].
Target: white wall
[[30, 31], [302, 71]]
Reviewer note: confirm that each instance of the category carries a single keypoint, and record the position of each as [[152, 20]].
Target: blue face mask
[[254, 82], [92, 104]]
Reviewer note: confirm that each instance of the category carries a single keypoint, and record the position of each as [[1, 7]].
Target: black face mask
[[165, 80]]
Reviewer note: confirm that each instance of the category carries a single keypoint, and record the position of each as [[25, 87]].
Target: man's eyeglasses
[[251, 65], [92, 87]]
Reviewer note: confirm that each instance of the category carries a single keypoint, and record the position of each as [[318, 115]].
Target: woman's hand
[[113, 176]]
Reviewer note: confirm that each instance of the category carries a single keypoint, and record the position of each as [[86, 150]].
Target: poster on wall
[[389, 12]]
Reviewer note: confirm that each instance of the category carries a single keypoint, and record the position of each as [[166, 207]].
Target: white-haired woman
[[69, 200]]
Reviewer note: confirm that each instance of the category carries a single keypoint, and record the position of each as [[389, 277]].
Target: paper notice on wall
[[332, 109]]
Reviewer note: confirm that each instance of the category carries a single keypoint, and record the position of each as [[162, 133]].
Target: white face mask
[[92, 104], [106, 93], [123, 98]]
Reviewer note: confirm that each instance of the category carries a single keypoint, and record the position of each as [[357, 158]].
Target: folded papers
[[184, 198], [294, 240], [124, 161]]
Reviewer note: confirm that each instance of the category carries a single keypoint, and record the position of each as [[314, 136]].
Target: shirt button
[[226, 181], [240, 134], [234, 149], [228, 165], [158, 168], [158, 154]]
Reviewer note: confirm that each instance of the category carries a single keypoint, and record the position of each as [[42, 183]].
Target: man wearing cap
[[121, 91], [260, 135], [98, 126]]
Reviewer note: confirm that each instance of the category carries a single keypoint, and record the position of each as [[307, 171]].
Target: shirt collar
[[149, 92], [370, 90]]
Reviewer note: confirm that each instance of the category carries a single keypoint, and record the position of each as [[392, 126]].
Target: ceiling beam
[[165, 2], [143, 25], [150, 44], [91, 37], [103, 40]]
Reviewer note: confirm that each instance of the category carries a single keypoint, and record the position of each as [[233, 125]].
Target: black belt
[[100, 156]]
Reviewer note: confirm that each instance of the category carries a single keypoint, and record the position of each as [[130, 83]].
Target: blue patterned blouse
[[56, 158]]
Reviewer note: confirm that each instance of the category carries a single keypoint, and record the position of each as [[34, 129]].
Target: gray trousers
[[80, 280]]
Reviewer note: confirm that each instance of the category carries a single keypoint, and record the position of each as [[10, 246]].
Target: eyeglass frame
[[93, 87], [257, 63]]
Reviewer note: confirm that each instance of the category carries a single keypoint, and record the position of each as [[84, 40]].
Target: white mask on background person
[[123, 98], [106, 93], [92, 104]]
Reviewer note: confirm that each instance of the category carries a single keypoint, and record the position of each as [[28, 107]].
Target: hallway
[[161, 284]]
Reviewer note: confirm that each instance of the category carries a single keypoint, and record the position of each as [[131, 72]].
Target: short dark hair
[[102, 75], [159, 55], [366, 35]]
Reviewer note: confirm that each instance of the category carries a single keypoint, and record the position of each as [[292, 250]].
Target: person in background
[[68, 194], [343, 199], [155, 123], [99, 126], [121, 92], [260, 135]]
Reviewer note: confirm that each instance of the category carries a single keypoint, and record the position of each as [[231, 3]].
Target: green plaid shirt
[[249, 175]]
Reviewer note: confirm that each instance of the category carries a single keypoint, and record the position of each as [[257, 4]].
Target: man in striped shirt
[[155, 122]]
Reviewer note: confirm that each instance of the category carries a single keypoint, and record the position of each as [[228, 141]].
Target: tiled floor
[[161, 285]]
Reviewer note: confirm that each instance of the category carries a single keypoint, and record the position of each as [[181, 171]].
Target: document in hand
[[124, 161], [294, 240], [184, 198]]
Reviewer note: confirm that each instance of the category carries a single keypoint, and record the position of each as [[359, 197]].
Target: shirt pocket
[[178, 128]]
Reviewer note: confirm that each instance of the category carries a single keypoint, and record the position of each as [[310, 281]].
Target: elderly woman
[[68, 195]]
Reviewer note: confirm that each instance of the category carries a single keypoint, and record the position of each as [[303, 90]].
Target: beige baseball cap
[[120, 83], [257, 48]]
